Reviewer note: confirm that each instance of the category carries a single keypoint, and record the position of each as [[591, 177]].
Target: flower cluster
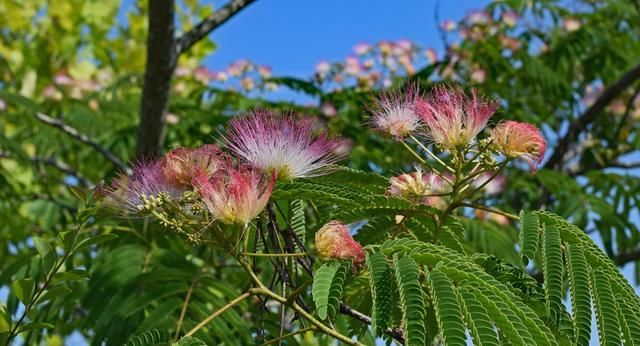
[[207, 184], [241, 75], [333, 241], [449, 121]]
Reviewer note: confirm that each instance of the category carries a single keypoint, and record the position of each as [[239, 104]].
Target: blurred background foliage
[[74, 64]]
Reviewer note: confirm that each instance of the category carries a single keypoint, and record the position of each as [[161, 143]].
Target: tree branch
[[626, 257], [59, 124], [214, 20], [581, 123], [157, 78], [395, 333]]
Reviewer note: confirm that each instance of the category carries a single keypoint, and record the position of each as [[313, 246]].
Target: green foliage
[[381, 291], [407, 276], [327, 289], [152, 337], [448, 309]]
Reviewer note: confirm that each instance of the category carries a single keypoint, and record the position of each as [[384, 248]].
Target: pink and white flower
[[181, 164], [285, 145], [431, 55], [452, 118], [236, 196], [333, 241], [422, 188], [571, 24], [519, 140], [362, 48], [448, 25], [510, 18], [395, 114], [130, 193]]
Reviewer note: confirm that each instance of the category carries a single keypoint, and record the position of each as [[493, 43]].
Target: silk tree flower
[[236, 196], [519, 140], [333, 241], [180, 165], [452, 119], [362, 48], [419, 187], [510, 18], [285, 145], [571, 24], [431, 55], [394, 113], [448, 25], [140, 191]]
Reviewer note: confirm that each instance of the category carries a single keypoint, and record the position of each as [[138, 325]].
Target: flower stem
[[434, 156], [423, 161], [299, 331], [489, 209]]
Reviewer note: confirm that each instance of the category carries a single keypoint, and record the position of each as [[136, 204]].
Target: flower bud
[[333, 241]]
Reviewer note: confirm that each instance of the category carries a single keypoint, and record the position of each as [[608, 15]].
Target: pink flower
[[362, 48], [478, 75], [203, 75], [519, 140], [402, 47], [322, 69], [264, 71], [510, 18], [286, 145], [448, 25], [50, 92], [571, 24], [415, 184], [62, 79], [618, 107], [137, 192], [180, 164], [247, 83], [352, 66], [385, 47], [236, 196], [452, 118], [333, 241], [395, 113], [328, 109], [478, 17]]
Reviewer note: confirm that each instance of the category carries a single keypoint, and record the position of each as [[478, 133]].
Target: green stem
[[217, 313], [253, 254], [299, 331], [489, 209], [434, 156], [426, 163]]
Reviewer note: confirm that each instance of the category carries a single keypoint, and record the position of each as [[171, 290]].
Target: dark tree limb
[[581, 123], [395, 333], [214, 20], [157, 78], [82, 138], [163, 51], [626, 257]]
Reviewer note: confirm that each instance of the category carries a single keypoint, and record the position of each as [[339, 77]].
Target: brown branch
[[626, 257], [163, 51], [157, 78], [214, 20], [60, 125], [581, 123], [395, 333]]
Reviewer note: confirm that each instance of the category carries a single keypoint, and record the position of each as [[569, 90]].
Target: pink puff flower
[[415, 184], [431, 55], [510, 18], [180, 164], [362, 48], [129, 193], [394, 113], [236, 196], [333, 241], [452, 118], [448, 25], [519, 140], [285, 145]]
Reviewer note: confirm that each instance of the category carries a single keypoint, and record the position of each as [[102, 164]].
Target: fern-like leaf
[[407, 276], [528, 235], [606, 309], [190, 341], [327, 288], [580, 300], [153, 337], [482, 328], [553, 271], [448, 310], [381, 291], [298, 220]]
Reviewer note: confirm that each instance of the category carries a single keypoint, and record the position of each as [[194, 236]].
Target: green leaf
[[578, 272], [528, 235], [327, 288], [23, 290], [482, 328], [553, 272], [298, 220], [407, 276], [52, 293], [72, 275], [606, 309], [35, 326], [46, 252], [297, 85], [381, 291], [85, 243], [448, 310], [154, 337], [5, 319], [189, 341]]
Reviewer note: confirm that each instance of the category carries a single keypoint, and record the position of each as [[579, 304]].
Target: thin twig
[[59, 124], [489, 209], [217, 313], [280, 338], [581, 123], [183, 312], [214, 20]]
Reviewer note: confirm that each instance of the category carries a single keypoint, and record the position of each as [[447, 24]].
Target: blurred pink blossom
[[479, 75], [352, 66], [510, 18], [62, 79], [571, 24], [448, 25], [431, 55], [478, 17], [362, 48], [328, 109]]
